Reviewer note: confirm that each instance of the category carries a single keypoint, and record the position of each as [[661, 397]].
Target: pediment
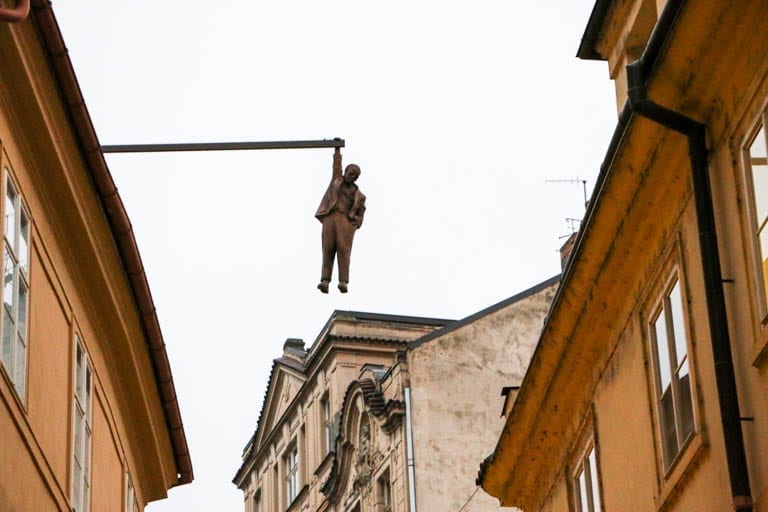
[[286, 380]]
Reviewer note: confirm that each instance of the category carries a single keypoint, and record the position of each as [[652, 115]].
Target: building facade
[[331, 433], [88, 414], [388, 414], [648, 390]]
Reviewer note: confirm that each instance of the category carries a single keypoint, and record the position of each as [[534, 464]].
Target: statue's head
[[351, 173]]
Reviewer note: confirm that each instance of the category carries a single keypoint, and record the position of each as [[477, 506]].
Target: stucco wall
[[77, 287], [456, 382]]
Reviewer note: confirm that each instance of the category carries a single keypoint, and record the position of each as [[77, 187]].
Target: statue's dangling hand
[[355, 221]]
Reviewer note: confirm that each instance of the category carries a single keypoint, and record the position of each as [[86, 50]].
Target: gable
[[286, 380]]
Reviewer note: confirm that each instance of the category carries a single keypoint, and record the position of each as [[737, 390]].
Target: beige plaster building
[[389, 413], [88, 414], [648, 390]]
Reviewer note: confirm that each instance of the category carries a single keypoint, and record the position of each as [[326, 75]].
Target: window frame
[[752, 228], [672, 265], [660, 305], [327, 424], [585, 461], [82, 417], [384, 491], [14, 364], [131, 502], [291, 482]]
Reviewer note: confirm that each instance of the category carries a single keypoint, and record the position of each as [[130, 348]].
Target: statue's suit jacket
[[331, 196]]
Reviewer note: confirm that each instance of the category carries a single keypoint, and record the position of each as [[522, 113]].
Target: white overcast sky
[[457, 112]]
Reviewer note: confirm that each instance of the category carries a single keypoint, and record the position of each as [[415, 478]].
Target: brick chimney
[[566, 248]]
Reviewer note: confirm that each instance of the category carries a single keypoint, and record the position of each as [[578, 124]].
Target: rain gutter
[[587, 50], [120, 226], [638, 77], [638, 104]]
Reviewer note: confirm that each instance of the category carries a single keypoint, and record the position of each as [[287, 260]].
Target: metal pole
[[409, 451], [223, 146]]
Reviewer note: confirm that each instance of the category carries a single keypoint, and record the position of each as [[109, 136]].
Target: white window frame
[[82, 433], [14, 319], [586, 481], [291, 463], [325, 404], [758, 226], [131, 504], [670, 307]]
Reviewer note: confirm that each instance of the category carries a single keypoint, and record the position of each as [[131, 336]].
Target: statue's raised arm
[[336, 164]]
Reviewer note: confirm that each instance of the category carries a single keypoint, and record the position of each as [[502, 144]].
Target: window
[[384, 492], [586, 489], [81, 452], [15, 286], [257, 501], [327, 425], [291, 461], [276, 493], [131, 505], [758, 177], [669, 346]]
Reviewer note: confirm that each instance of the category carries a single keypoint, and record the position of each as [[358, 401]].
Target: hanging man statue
[[341, 212]]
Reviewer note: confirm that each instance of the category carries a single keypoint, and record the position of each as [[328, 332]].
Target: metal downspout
[[637, 77], [409, 451]]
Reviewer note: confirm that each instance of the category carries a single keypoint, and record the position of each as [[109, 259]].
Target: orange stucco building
[[648, 390], [88, 414]]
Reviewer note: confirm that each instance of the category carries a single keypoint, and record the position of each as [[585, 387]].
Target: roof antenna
[[575, 180], [573, 223]]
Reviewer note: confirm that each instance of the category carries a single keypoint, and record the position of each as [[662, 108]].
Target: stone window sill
[[679, 469]]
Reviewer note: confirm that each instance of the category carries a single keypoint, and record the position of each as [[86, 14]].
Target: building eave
[[321, 338], [120, 227], [588, 46], [527, 447]]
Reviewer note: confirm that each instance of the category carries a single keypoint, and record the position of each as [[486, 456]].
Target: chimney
[[566, 248], [294, 349]]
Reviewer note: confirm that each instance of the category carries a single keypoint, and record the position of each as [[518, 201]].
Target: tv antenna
[[573, 224], [577, 181]]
